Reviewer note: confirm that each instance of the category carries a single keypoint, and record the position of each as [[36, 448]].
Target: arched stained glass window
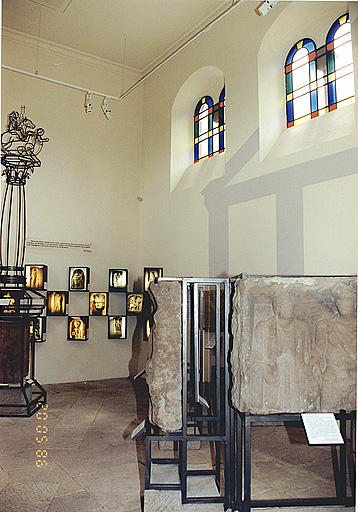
[[320, 80], [209, 127], [340, 63], [301, 82], [203, 128]]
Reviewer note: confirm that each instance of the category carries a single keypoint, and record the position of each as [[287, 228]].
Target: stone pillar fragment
[[294, 344], [164, 365]]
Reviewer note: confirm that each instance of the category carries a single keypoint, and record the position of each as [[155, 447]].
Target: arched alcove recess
[[294, 23], [207, 81]]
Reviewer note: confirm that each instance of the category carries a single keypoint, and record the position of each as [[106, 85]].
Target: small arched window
[[203, 128], [340, 63], [301, 85]]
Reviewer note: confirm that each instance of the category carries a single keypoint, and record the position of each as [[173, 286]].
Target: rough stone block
[[294, 344], [164, 369]]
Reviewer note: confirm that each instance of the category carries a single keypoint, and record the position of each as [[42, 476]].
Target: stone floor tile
[[76, 462], [95, 466], [34, 497], [113, 487], [79, 502], [4, 479]]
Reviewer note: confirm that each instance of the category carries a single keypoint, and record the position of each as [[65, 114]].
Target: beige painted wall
[[85, 191], [222, 222], [259, 207]]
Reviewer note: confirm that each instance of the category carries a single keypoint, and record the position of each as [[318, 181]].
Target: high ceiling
[[136, 33]]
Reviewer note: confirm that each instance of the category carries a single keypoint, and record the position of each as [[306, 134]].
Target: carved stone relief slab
[[294, 344], [164, 368]]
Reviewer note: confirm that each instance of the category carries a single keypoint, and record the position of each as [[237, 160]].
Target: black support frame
[[219, 416], [243, 488], [228, 426]]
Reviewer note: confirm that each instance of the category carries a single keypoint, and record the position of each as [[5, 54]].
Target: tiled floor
[[93, 465]]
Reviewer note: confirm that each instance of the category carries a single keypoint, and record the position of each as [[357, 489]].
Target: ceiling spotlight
[[106, 108], [265, 7], [88, 103]]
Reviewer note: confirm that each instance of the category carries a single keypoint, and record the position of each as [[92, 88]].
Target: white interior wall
[[239, 211], [85, 191], [205, 226]]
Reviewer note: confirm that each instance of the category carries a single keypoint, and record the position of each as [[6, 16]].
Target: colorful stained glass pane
[[314, 101], [320, 80], [330, 62], [288, 83], [290, 116], [222, 140], [208, 122], [196, 152], [309, 44], [210, 140], [332, 96]]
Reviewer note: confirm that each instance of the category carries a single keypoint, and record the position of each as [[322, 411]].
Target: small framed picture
[[10, 302], [117, 327], [150, 275], [37, 329], [36, 277], [134, 303], [57, 303], [77, 329], [118, 279], [78, 279], [98, 303]]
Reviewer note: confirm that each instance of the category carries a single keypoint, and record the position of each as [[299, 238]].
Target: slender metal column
[[183, 460]]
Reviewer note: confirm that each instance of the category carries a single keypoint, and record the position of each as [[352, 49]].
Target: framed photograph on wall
[[118, 279], [134, 303], [78, 279], [117, 327], [36, 277], [150, 274], [10, 302], [57, 303], [38, 329], [77, 328], [98, 303]]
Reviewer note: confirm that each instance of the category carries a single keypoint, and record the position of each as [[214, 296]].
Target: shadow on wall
[[287, 186]]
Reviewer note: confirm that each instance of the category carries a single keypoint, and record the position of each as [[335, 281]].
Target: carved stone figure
[[336, 341], [294, 347], [164, 368]]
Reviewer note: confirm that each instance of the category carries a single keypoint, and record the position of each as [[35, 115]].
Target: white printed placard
[[321, 428]]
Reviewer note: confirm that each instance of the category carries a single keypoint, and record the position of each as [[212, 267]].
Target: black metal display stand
[[208, 415], [205, 406], [32, 397], [20, 393], [343, 465], [23, 396]]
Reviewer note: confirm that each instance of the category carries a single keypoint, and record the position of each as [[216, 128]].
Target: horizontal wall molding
[[48, 47]]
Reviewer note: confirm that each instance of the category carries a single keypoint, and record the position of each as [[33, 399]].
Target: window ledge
[[314, 134]]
